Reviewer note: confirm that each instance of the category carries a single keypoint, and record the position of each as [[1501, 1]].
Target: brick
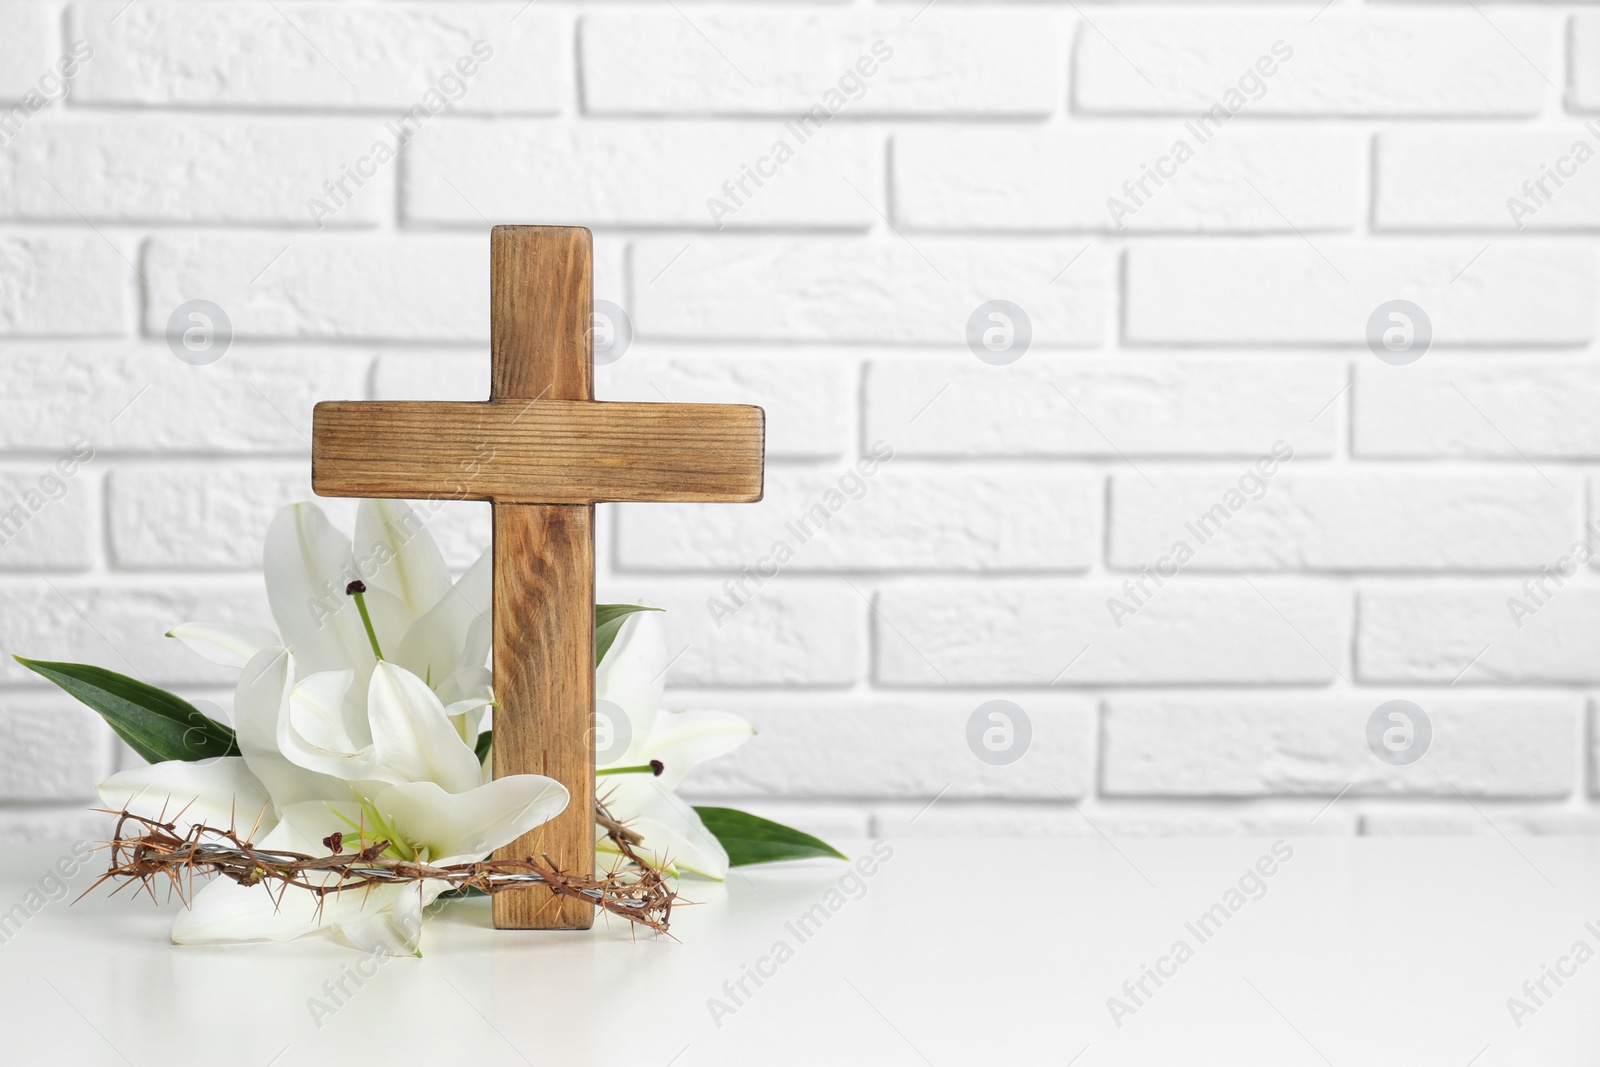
[[808, 397], [895, 518], [1344, 519], [1594, 750], [1029, 180], [412, 288], [1484, 179], [899, 747], [1469, 633], [684, 174], [790, 633], [1314, 744], [1426, 62], [1492, 408], [1583, 90], [1011, 633], [122, 397], [314, 56], [28, 40], [137, 168], [971, 819], [214, 516], [45, 510], [820, 289], [1258, 293], [199, 516], [1112, 407], [947, 62], [63, 287], [52, 825], [121, 627], [51, 748], [442, 375]]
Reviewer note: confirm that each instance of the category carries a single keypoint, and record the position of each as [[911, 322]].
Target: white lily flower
[[421, 821], [401, 773], [334, 738], [437, 630], [633, 678]]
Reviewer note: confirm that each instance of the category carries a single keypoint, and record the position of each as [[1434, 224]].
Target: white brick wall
[[1460, 179], [1295, 292], [378, 58], [183, 170], [880, 288], [1199, 208], [517, 169], [1027, 179], [780, 62], [1425, 63]]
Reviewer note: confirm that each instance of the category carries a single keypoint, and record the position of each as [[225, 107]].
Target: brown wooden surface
[[544, 451], [544, 681], [540, 308], [539, 313]]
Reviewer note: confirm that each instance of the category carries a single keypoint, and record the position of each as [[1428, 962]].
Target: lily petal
[[228, 644], [395, 553], [385, 919], [224, 910], [260, 702], [682, 740], [308, 564], [634, 672], [455, 633], [477, 583], [397, 930], [467, 716], [458, 827], [320, 733], [218, 792], [317, 712], [672, 830], [413, 738]]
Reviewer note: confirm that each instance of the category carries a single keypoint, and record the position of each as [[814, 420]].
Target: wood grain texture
[[540, 308], [539, 314], [544, 681], [539, 452]]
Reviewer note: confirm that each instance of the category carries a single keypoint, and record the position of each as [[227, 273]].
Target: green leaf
[[485, 740], [156, 724], [751, 839], [608, 620]]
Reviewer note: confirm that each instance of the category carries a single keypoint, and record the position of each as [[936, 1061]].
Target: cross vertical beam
[[540, 305]]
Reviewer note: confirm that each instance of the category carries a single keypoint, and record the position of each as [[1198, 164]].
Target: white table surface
[[1361, 953]]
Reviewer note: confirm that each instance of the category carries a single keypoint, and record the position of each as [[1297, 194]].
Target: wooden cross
[[544, 452]]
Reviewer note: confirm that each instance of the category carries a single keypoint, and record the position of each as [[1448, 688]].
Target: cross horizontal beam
[[538, 452]]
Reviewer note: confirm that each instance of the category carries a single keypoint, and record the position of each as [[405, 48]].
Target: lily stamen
[[654, 767], [358, 589]]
